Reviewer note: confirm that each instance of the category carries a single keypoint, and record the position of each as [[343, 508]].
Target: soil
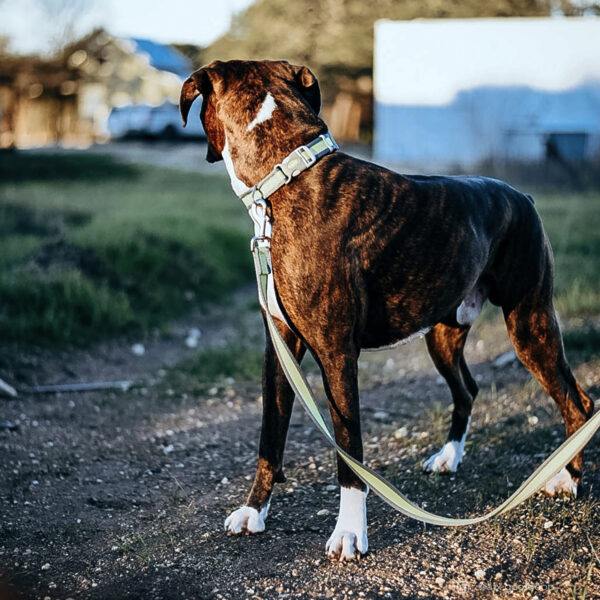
[[122, 494]]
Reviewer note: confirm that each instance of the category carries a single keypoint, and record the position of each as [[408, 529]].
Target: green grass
[[90, 248], [214, 364], [572, 221]]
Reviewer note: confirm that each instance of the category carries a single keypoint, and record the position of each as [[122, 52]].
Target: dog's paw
[[446, 460], [346, 545], [349, 538], [561, 484], [245, 520]]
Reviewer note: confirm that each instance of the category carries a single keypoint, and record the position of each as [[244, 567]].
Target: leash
[[261, 250]]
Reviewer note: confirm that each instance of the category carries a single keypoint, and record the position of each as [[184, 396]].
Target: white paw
[[346, 545], [449, 457], [349, 538], [446, 460], [246, 520], [561, 484]]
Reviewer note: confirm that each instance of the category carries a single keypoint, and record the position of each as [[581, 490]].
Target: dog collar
[[291, 166]]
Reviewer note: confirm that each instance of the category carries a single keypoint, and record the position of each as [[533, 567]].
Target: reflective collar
[[291, 166]]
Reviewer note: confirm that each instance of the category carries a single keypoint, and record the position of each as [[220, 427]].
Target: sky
[[31, 28]]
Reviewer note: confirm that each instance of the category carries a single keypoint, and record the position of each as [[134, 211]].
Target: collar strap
[[291, 166]]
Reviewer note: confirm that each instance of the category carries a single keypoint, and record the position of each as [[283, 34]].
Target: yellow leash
[[385, 490]]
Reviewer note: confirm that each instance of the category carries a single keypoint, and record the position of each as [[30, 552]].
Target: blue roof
[[164, 58]]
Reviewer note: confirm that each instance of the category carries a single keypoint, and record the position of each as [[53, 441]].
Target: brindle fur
[[364, 257]]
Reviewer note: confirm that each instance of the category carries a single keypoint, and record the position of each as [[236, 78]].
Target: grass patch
[[215, 364], [25, 167], [572, 221], [91, 248]]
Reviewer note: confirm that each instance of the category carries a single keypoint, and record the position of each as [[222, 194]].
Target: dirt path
[[115, 495]]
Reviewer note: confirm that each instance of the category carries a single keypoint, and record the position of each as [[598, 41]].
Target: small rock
[[191, 341], [168, 449], [400, 433], [381, 415], [548, 524], [440, 580], [45, 567], [505, 359], [138, 349], [389, 366], [224, 481], [480, 574], [331, 487], [323, 513], [533, 420]]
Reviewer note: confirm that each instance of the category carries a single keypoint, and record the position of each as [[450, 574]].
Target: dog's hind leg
[[445, 344], [278, 400], [535, 334]]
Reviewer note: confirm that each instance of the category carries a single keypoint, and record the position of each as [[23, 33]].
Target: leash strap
[[385, 490], [291, 166]]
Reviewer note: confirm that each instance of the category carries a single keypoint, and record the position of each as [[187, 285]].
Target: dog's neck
[[252, 149]]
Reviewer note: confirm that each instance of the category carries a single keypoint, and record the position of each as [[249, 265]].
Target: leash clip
[[262, 224]]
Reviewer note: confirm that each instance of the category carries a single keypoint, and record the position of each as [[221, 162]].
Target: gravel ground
[[116, 495]]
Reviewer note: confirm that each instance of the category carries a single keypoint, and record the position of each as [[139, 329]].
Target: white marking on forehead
[[239, 187], [264, 112]]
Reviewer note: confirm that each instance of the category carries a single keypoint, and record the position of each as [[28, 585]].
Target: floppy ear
[[197, 83], [203, 82], [309, 86]]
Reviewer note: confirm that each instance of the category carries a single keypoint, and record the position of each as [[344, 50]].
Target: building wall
[[450, 94]]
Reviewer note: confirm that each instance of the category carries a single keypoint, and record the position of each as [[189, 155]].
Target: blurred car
[[152, 122]]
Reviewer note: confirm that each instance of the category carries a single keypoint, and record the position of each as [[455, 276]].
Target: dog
[[364, 257]]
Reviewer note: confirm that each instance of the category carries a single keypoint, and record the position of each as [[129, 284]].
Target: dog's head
[[234, 92]]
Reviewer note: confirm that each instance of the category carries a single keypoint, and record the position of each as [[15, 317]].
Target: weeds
[[439, 418], [90, 248], [239, 362]]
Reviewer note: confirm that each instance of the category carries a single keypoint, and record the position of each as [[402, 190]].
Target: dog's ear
[[199, 82], [189, 92], [204, 81], [309, 86]]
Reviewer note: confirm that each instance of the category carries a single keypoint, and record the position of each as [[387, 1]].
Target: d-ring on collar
[[291, 166]]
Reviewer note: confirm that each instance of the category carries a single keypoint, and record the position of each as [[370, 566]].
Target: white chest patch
[[264, 112], [239, 187], [349, 538]]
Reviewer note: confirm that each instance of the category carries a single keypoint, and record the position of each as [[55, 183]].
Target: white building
[[452, 93]]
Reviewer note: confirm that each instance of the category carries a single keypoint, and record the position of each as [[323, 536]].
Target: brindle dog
[[364, 257]]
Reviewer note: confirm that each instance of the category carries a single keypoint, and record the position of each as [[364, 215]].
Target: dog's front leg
[[278, 399], [349, 538]]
